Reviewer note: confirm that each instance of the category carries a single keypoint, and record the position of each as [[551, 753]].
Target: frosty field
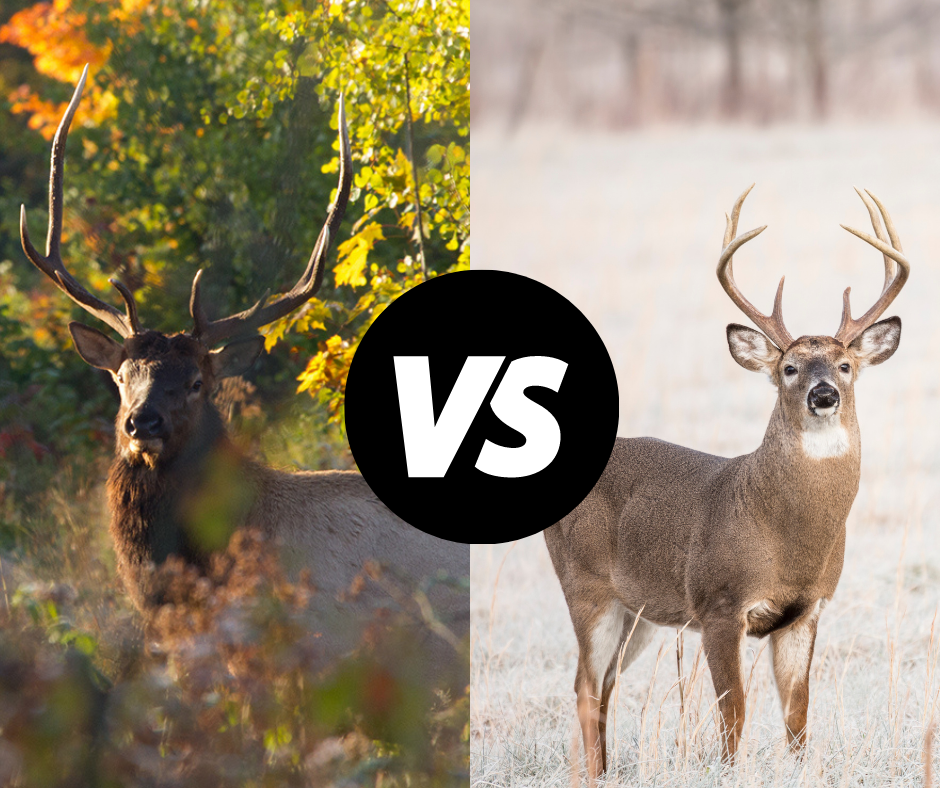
[[629, 228]]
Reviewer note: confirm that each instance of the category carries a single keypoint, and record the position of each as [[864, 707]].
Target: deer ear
[[752, 350], [236, 358], [96, 348], [878, 342]]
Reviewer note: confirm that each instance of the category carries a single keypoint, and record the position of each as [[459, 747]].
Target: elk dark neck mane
[[188, 506]]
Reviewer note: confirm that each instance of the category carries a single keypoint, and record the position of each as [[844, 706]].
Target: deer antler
[[895, 275], [51, 265], [262, 313], [772, 324]]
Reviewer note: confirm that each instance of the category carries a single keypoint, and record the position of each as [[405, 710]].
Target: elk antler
[[895, 275], [51, 265], [262, 313], [772, 324]]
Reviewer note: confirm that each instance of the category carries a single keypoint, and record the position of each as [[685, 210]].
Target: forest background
[[206, 138]]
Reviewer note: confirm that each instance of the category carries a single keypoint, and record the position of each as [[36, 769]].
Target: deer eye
[[844, 367], [196, 386], [788, 370]]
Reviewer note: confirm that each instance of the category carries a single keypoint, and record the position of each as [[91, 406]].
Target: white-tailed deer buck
[[178, 486], [750, 545]]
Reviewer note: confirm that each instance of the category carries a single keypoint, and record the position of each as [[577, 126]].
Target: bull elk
[[174, 463], [733, 547]]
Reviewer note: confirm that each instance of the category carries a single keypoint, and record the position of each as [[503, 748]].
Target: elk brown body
[[731, 547], [179, 487]]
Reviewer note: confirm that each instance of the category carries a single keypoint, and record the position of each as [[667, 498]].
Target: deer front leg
[[792, 650], [722, 643]]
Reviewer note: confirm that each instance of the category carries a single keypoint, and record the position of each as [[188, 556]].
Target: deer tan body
[[178, 486], [747, 546]]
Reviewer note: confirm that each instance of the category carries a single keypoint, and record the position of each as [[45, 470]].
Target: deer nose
[[822, 396], [144, 423]]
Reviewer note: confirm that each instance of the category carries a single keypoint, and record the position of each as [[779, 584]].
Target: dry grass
[[629, 228]]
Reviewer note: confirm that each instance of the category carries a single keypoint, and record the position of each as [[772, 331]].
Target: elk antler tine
[[54, 236], [129, 302], [259, 304], [263, 313], [51, 264], [195, 306], [31, 252]]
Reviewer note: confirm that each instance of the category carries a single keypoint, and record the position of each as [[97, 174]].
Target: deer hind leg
[[722, 642], [792, 653], [597, 666]]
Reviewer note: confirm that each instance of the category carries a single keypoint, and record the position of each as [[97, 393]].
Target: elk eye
[[196, 386], [844, 367], [788, 370]]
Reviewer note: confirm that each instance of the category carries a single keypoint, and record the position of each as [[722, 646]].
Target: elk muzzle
[[146, 429], [823, 399]]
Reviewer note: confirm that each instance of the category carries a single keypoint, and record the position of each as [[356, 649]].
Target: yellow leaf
[[354, 254]]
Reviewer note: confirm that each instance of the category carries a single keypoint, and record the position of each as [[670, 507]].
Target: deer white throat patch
[[825, 439]]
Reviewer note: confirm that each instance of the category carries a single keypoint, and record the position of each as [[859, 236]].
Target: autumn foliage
[[206, 138]]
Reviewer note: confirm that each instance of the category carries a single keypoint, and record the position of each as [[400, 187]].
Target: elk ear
[[236, 358], [877, 343], [752, 350], [96, 348]]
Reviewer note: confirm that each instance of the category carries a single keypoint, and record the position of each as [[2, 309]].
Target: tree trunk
[[819, 71], [731, 24]]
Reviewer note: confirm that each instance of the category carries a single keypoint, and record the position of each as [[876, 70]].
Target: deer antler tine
[[728, 252], [736, 210], [777, 313], [892, 234], [895, 276], [772, 325], [872, 212], [879, 232], [846, 320], [880, 245]]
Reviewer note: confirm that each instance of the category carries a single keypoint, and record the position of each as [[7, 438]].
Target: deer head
[[165, 381], [815, 375]]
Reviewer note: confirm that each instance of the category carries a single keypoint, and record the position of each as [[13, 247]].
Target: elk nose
[[145, 423], [822, 396]]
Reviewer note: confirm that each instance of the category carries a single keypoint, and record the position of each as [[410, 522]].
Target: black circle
[[482, 313]]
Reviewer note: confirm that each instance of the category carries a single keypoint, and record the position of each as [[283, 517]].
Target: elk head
[[165, 381], [815, 375]]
